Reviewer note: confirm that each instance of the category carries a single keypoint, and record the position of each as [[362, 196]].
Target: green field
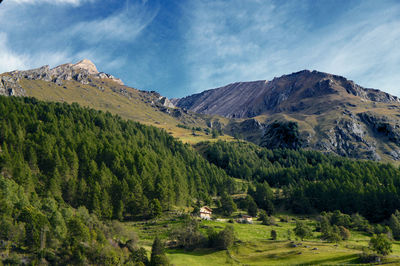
[[254, 246]]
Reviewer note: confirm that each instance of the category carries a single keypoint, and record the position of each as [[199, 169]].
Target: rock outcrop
[[166, 102], [9, 86], [383, 125], [84, 72]]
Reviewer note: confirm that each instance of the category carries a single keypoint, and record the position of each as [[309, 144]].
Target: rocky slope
[[334, 114], [291, 93]]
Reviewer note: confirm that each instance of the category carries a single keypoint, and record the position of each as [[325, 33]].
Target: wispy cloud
[[53, 2], [32, 36], [235, 41], [123, 25], [9, 60]]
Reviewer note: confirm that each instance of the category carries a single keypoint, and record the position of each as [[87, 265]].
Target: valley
[[105, 172]]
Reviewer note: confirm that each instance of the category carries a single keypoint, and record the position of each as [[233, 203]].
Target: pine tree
[[158, 256]]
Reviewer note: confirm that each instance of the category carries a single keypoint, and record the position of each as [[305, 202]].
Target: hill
[[84, 84], [64, 170], [333, 114], [330, 113]]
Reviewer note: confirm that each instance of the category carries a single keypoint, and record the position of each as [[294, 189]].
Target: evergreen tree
[[155, 208], [228, 206], [251, 206], [394, 225], [273, 235], [158, 256]]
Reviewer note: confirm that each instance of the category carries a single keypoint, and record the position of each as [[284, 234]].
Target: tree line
[[310, 181]]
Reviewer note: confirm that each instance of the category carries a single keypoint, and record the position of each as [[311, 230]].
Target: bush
[[188, 236], [265, 219], [344, 233], [368, 257], [302, 230], [139, 255], [274, 235], [222, 240], [381, 244], [284, 219]]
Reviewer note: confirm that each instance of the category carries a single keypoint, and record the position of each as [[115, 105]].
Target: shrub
[[381, 244], [344, 233], [368, 257], [265, 219], [222, 240], [188, 236], [302, 230], [273, 235]]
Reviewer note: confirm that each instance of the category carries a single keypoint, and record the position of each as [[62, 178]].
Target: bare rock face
[[348, 138], [9, 86], [166, 102], [84, 72], [382, 125]]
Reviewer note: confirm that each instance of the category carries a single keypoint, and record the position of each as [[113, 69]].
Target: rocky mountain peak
[[306, 91], [87, 65], [85, 72]]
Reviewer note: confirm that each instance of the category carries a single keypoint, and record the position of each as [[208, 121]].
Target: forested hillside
[[57, 157], [310, 181]]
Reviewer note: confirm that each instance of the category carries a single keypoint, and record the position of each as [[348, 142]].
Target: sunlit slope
[[127, 102]]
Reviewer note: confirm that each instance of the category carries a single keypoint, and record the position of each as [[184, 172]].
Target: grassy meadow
[[254, 246]]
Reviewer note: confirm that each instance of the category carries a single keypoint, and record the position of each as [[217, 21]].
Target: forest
[[312, 182], [72, 178], [65, 168]]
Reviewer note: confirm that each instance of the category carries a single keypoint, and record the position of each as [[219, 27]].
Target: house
[[205, 213], [245, 219]]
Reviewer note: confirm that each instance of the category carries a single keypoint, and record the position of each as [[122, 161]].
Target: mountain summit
[[87, 65], [305, 91], [85, 72], [333, 113]]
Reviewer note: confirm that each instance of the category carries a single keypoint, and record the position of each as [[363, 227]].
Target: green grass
[[255, 247], [200, 257]]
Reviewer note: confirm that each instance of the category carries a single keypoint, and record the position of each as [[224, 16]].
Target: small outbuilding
[[245, 219], [205, 213]]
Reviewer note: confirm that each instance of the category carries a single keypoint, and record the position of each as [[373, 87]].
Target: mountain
[[84, 84], [333, 113]]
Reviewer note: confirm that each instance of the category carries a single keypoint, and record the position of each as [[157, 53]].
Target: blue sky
[[180, 47]]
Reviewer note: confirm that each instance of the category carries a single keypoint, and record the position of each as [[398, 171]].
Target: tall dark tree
[[158, 256]]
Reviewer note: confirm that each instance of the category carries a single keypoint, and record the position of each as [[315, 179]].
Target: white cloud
[[232, 41], [53, 2], [124, 25], [8, 59], [27, 41]]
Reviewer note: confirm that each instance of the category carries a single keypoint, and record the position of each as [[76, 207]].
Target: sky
[[181, 47]]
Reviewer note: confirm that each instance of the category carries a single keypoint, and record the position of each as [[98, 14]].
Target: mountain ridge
[[82, 83], [334, 114], [244, 104]]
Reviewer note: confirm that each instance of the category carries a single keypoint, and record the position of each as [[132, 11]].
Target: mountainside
[[84, 84], [334, 114]]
